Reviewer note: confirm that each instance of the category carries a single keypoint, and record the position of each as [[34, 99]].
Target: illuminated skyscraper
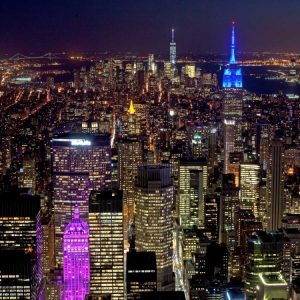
[[81, 163], [249, 185], [233, 100], [233, 73], [154, 195], [173, 49], [276, 183], [263, 256], [192, 183], [228, 142], [76, 258], [106, 243], [130, 156], [20, 246]]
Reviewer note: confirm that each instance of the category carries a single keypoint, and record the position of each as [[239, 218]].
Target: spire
[[173, 35], [232, 60], [131, 109], [76, 215]]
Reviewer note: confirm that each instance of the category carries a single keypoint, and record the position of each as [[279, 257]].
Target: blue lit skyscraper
[[232, 77], [173, 50], [232, 105]]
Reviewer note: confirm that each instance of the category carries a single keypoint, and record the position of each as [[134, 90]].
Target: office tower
[[275, 180], [262, 257], [151, 64], [16, 274], [76, 258], [229, 126], [27, 177], [5, 153], [81, 163], [211, 215], [290, 264], [271, 286], [154, 198], [229, 206], [130, 156], [48, 248], [249, 186], [235, 161], [141, 274], [20, 246], [233, 101], [190, 70], [131, 122], [192, 183], [106, 243], [173, 49]]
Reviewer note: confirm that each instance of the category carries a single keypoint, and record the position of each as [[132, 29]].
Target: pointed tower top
[[131, 109], [232, 60], [76, 214], [173, 35]]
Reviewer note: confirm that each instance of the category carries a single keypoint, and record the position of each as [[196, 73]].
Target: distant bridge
[[48, 55]]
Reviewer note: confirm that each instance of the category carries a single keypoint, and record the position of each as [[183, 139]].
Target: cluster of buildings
[[146, 179]]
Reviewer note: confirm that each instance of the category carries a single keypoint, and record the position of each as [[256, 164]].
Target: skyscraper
[[276, 184], [76, 258], [154, 195], [233, 100], [81, 163], [20, 246], [130, 156], [228, 142], [140, 273], [173, 49], [192, 183], [106, 243], [249, 185]]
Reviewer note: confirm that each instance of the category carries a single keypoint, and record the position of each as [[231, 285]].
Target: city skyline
[[201, 26], [149, 176]]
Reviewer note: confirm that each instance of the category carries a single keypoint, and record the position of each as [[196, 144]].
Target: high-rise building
[[130, 156], [141, 274], [27, 177], [192, 183], [271, 286], [173, 49], [276, 184], [262, 257], [228, 142], [76, 258], [249, 186], [20, 246], [106, 243], [48, 249], [233, 97], [81, 163], [154, 198], [190, 70]]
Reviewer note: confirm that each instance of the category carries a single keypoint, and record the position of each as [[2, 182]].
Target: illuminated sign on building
[[75, 142]]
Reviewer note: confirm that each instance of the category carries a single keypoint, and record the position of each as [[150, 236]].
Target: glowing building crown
[[131, 109]]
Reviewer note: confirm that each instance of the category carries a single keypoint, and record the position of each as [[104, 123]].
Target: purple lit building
[[76, 258]]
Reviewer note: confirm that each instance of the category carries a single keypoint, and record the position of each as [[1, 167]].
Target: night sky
[[202, 26]]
